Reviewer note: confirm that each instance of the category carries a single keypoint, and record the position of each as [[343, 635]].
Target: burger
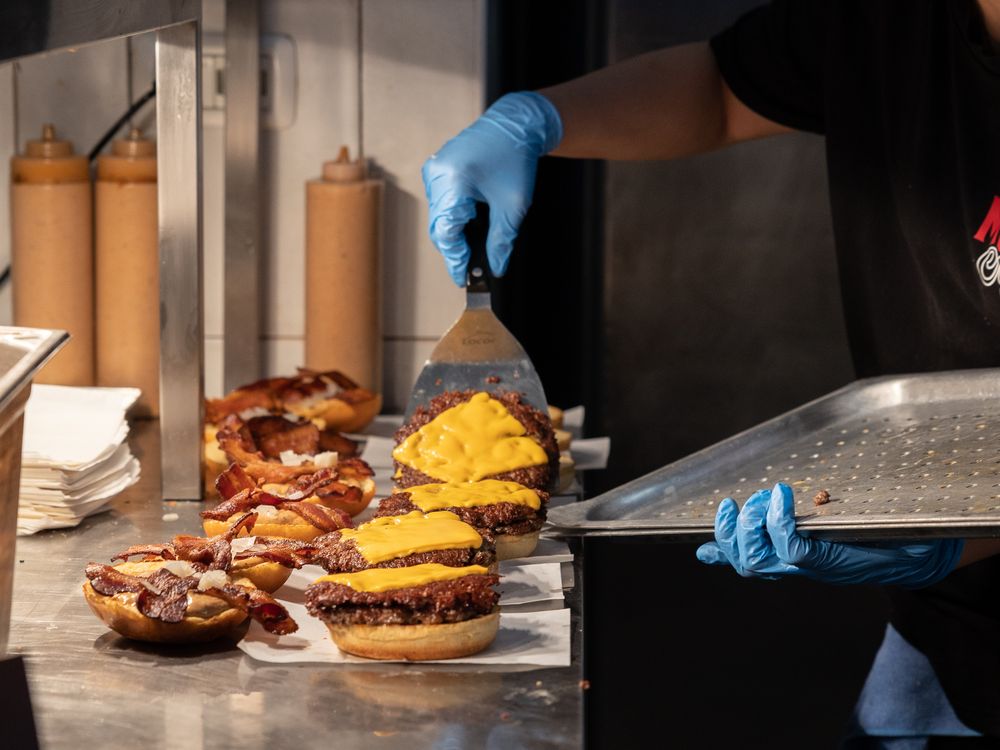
[[176, 601], [330, 397], [426, 611]]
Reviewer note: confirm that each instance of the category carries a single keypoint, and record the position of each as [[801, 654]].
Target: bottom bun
[[120, 614], [510, 546], [417, 642]]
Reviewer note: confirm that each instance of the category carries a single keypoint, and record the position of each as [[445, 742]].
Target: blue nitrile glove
[[761, 540], [493, 161]]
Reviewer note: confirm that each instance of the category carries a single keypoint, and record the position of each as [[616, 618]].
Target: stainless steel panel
[[900, 456], [22, 352], [93, 689], [178, 129], [28, 27], [242, 312]]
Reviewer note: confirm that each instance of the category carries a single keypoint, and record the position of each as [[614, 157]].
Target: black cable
[[129, 114]]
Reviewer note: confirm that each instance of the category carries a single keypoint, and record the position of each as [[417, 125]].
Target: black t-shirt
[[907, 94]]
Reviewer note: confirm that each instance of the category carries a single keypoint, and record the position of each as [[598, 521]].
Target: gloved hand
[[494, 161], [761, 540]]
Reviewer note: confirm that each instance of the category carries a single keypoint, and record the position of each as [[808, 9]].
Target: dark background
[[682, 302]]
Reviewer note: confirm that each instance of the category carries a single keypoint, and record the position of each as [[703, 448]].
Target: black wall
[[682, 302]]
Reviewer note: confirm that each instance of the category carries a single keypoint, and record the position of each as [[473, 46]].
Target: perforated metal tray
[[908, 456]]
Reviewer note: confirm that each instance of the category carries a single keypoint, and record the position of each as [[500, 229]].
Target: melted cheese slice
[[398, 536], [429, 497], [375, 580], [468, 442]]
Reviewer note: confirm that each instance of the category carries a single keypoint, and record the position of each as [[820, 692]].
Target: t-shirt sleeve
[[774, 60]]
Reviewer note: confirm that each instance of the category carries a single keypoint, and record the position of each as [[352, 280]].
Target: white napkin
[[74, 457], [590, 453], [70, 481], [74, 428]]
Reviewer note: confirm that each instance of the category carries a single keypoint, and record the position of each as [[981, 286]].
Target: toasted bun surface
[[214, 461], [510, 546], [302, 531], [417, 642], [264, 574], [367, 486], [341, 415]]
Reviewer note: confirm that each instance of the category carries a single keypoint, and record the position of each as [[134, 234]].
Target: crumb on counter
[[822, 498], [170, 516], [493, 379], [584, 684]]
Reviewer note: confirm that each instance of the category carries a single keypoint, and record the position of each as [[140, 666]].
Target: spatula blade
[[478, 352]]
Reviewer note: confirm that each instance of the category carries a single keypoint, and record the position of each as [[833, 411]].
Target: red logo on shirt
[[988, 264]]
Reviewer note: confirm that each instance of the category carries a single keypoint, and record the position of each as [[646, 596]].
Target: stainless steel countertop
[[91, 688]]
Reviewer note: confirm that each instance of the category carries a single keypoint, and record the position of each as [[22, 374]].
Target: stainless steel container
[[22, 352]]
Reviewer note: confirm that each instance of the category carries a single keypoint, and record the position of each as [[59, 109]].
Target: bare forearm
[[661, 105], [978, 549]]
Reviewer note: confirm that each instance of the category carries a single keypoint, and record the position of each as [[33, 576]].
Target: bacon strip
[[328, 482], [324, 519], [164, 551], [273, 548], [261, 394], [241, 502], [256, 445], [272, 435], [331, 440], [168, 599], [254, 463], [260, 605], [354, 468], [108, 581], [273, 393], [232, 481]]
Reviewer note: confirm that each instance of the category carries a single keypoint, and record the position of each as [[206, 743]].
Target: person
[[907, 96]]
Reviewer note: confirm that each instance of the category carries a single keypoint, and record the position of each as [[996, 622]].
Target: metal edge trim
[[24, 370]]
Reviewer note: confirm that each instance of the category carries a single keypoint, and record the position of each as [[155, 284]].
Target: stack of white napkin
[[74, 458]]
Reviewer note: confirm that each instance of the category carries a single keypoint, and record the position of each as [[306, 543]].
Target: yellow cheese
[[430, 497], [468, 442], [375, 580], [398, 536]]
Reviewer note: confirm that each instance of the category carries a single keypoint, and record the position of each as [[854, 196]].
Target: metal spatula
[[478, 352]]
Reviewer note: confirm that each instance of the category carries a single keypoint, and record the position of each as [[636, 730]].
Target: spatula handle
[[475, 234]]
